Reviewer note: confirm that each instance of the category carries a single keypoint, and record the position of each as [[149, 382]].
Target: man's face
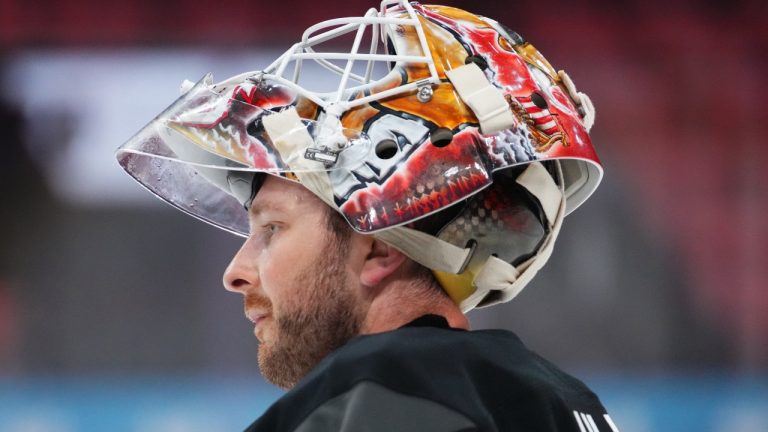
[[298, 282]]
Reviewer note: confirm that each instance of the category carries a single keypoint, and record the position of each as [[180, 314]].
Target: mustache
[[259, 302]]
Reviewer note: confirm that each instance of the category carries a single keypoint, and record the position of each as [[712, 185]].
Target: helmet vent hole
[[479, 61], [539, 100], [386, 149], [441, 137]]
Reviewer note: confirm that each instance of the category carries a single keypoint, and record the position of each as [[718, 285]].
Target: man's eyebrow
[[257, 208]]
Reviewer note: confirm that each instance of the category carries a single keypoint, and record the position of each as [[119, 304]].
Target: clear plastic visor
[[202, 153]]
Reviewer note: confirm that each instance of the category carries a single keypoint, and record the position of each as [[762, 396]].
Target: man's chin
[[285, 359], [278, 368]]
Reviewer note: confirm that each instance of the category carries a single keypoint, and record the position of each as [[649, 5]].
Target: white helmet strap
[[426, 249], [500, 281], [290, 137], [581, 99], [484, 99]]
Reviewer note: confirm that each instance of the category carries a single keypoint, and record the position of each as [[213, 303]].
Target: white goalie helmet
[[465, 154]]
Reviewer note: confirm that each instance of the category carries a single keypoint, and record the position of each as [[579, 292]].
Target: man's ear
[[381, 262]]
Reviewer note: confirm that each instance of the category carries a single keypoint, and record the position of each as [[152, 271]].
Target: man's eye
[[269, 229], [262, 231]]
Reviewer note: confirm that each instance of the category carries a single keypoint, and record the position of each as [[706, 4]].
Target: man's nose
[[241, 274]]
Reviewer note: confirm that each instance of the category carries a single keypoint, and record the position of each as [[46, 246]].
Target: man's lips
[[255, 316]]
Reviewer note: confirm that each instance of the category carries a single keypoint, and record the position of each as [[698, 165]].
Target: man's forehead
[[276, 194]]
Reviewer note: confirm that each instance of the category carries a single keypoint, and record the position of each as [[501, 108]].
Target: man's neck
[[393, 308]]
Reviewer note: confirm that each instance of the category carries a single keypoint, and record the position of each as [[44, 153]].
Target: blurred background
[[112, 314]]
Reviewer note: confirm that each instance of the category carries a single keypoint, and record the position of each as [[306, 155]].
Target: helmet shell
[[423, 176]]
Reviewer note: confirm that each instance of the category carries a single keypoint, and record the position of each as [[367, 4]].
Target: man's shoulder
[[443, 353], [487, 377], [416, 347], [446, 365]]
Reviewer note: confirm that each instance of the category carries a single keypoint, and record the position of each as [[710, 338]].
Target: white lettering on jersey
[[578, 421], [587, 423], [610, 423]]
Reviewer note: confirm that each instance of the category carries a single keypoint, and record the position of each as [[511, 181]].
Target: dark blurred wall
[[92, 22], [25, 200]]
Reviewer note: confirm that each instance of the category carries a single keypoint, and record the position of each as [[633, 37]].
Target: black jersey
[[428, 377]]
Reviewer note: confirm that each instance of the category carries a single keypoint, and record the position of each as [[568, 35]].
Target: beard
[[310, 328]]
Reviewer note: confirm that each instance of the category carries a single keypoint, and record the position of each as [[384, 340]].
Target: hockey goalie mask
[[465, 153]]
